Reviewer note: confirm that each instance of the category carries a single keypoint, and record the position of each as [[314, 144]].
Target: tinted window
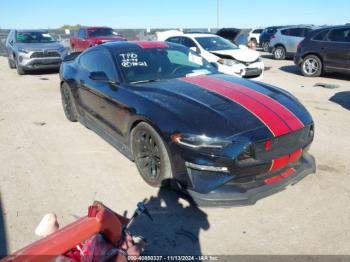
[[146, 64], [340, 35], [188, 42], [175, 40], [95, 32], [212, 43], [307, 31], [257, 31], [321, 35], [298, 32], [81, 33], [97, 61]]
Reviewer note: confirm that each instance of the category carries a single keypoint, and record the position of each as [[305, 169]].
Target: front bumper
[[26, 61], [233, 194], [252, 71]]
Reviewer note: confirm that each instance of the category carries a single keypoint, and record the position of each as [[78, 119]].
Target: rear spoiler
[[71, 56]]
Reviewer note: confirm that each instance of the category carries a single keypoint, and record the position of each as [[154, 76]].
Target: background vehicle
[[266, 35], [324, 50], [89, 36], [226, 56], [254, 35], [234, 35], [285, 41], [138, 95], [32, 50]]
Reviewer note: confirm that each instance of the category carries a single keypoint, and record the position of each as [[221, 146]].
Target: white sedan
[[229, 58]]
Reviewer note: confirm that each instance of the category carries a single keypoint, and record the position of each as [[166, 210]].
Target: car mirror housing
[[101, 76]]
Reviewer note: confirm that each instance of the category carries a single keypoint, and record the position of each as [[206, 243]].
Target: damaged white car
[[229, 58]]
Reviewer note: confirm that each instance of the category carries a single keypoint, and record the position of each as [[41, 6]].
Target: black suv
[[324, 50]]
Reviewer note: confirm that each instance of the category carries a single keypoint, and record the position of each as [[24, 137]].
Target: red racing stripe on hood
[[277, 118]]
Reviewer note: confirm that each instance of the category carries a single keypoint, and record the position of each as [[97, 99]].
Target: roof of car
[[31, 30], [197, 35]]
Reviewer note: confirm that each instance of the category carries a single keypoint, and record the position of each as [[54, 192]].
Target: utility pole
[[217, 14]]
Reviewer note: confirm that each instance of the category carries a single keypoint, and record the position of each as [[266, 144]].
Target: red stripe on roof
[[151, 44], [269, 118]]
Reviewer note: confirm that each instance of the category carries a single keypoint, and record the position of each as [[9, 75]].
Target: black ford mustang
[[224, 140]]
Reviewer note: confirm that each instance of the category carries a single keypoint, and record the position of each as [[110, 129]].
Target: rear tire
[[150, 155], [311, 66], [68, 104], [279, 53], [265, 46]]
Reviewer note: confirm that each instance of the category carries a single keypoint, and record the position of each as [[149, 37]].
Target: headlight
[[24, 50], [62, 49], [227, 62], [199, 141]]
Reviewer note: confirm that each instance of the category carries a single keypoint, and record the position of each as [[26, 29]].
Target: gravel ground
[[51, 165]]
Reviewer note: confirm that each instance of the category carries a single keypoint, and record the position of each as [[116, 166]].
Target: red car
[[90, 36]]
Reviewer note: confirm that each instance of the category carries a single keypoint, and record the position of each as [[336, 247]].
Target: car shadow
[[42, 72], [3, 241], [342, 98], [176, 226], [293, 69]]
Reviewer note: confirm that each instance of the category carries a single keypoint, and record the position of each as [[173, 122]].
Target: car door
[[336, 49], [82, 40], [10, 43], [100, 99]]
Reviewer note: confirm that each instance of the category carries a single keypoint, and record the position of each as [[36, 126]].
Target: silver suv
[[33, 49], [285, 41]]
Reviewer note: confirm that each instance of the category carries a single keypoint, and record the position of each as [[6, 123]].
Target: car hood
[[205, 112], [244, 55], [40, 46]]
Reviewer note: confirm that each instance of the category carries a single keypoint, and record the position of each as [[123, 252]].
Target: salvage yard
[[49, 164]]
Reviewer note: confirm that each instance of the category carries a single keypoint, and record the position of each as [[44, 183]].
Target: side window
[[285, 32], [340, 35], [175, 40], [321, 35], [257, 31], [188, 42], [307, 31], [97, 61], [81, 33], [298, 32]]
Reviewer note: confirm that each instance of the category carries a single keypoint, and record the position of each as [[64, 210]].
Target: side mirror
[[101, 76], [11, 42], [195, 49], [215, 65]]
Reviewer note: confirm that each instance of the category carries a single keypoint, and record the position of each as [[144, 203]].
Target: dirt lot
[[51, 165]]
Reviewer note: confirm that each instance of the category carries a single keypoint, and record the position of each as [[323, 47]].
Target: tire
[[311, 66], [265, 46], [12, 64], [279, 53], [150, 155], [20, 70], [68, 104]]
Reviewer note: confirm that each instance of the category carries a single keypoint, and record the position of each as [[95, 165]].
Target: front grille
[[278, 146], [45, 54]]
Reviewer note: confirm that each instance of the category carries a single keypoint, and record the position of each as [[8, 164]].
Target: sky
[[171, 13]]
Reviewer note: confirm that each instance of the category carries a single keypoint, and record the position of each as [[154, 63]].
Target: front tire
[[279, 53], [311, 66], [12, 64], [68, 104], [20, 70], [150, 155]]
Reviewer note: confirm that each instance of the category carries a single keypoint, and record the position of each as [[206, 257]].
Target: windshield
[[95, 32], [214, 43], [34, 37], [153, 64]]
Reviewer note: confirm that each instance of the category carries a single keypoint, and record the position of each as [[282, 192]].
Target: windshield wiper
[[145, 81]]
